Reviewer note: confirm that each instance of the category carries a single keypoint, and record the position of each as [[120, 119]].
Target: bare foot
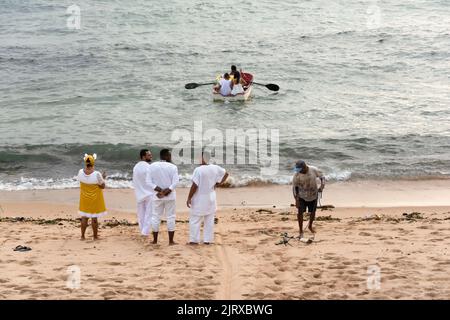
[[173, 243], [207, 243], [192, 243], [97, 238], [154, 242], [82, 238], [312, 229]]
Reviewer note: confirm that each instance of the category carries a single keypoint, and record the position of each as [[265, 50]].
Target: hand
[[160, 195], [321, 189], [104, 174], [189, 203], [218, 184], [166, 191]]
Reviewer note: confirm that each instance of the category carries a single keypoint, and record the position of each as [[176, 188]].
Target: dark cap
[[299, 165]]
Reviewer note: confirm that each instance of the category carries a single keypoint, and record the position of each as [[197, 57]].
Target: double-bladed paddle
[[193, 85]]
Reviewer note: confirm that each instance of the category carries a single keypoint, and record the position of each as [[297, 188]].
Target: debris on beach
[[285, 238], [410, 217], [21, 248], [40, 221], [327, 218], [115, 223], [413, 216], [372, 217], [265, 211], [326, 207]]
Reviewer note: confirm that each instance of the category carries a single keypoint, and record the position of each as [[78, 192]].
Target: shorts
[[311, 205]]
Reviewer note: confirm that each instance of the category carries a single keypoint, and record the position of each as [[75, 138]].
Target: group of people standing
[[155, 190], [154, 185], [231, 83]]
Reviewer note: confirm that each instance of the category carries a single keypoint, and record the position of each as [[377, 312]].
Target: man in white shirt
[[202, 199], [144, 193], [164, 177], [224, 86]]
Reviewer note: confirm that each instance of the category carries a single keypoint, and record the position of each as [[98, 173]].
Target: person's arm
[[322, 180], [295, 192], [101, 180], [173, 185], [150, 182], [322, 183], [175, 180], [221, 182], [218, 86], [192, 191]]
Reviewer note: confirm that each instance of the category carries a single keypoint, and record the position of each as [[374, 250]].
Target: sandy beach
[[399, 228]]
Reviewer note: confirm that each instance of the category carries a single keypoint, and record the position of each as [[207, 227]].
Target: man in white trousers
[[164, 179], [144, 193], [202, 200]]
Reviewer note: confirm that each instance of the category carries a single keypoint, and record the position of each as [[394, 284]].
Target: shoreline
[[355, 198], [369, 226]]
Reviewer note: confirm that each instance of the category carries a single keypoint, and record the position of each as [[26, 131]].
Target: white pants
[[159, 208], [195, 222], [144, 214]]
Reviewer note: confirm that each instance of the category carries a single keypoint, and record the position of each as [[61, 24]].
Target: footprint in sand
[[27, 263], [275, 288]]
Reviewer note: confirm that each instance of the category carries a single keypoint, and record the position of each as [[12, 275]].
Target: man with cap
[[305, 190]]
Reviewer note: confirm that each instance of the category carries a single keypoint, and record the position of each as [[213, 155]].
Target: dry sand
[[367, 228]]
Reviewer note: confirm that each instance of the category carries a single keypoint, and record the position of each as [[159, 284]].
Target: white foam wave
[[123, 181]]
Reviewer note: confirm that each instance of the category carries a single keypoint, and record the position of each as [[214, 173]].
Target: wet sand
[[365, 232]]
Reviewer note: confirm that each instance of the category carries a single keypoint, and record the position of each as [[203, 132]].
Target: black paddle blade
[[191, 85], [272, 86]]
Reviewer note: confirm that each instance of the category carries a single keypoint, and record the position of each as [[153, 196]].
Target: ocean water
[[364, 85]]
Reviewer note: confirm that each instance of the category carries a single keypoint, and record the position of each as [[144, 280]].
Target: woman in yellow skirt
[[92, 204]]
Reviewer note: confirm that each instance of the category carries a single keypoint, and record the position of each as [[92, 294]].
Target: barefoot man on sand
[[164, 178], [202, 199], [304, 187], [144, 193]]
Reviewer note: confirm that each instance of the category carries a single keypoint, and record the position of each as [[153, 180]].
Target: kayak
[[247, 94]]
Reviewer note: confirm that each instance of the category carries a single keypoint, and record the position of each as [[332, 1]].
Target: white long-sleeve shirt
[[204, 199], [142, 189], [163, 174]]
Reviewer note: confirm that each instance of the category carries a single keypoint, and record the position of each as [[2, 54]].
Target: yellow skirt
[[92, 203]]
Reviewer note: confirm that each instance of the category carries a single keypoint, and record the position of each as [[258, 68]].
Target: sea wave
[[120, 180], [124, 181]]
